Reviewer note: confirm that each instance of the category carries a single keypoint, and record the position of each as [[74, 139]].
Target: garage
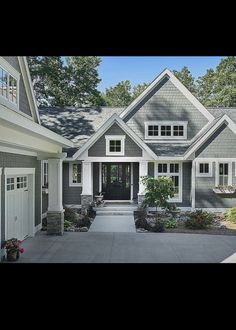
[[19, 203]]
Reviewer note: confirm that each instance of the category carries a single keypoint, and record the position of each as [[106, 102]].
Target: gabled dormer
[[16, 91], [166, 112]]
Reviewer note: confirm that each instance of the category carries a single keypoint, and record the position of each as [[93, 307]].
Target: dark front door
[[116, 181]]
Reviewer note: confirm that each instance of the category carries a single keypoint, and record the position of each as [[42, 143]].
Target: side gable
[[166, 99]]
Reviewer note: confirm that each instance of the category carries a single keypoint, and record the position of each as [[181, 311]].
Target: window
[[21, 182], [115, 145], [176, 130], [10, 184], [8, 86], [172, 170], [45, 174], [75, 174], [223, 174], [204, 169]]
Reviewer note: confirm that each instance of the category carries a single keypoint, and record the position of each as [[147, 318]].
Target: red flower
[[21, 250]]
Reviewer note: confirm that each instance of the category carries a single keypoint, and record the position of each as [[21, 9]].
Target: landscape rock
[[84, 229], [142, 230], [77, 229]]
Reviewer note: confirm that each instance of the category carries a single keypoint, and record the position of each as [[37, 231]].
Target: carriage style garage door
[[19, 206]]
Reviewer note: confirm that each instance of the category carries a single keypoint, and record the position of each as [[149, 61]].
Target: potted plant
[[99, 198], [13, 249]]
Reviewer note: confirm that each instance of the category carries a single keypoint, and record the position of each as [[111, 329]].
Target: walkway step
[[115, 212], [113, 223], [114, 208]]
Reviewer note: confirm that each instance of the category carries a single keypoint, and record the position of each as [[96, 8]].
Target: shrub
[[67, 224], [70, 214], [170, 223], [231, 215], [158, 227], [199, 220], [142, 223], [82, 221]]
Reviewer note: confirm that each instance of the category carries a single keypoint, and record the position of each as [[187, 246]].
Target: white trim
[[203, 175], [132, 181], [230, 174], [120, 138], [177, 84], [169, 174], [171, 123], [224, 118], [114, 119], [37, 228], [100, 177], [17, 151], [193, 184], [31, 188], [1, 211], [71, 184], [115, 159]]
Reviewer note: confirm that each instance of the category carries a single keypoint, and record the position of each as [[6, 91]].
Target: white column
[[87, 178], [193, 188], [55, 185], [143, 171]]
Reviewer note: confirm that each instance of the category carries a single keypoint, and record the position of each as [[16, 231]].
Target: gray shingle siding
[[151, 169], [24, 103], [166, 102], [205, 197], [15, 160], [221, 144], [71, 195], [99, 147]]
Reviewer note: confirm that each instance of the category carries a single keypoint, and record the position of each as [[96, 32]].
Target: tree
[[82, 78], [119, 95], [138, 89], [185, 76], [206, 89], [158, 191]]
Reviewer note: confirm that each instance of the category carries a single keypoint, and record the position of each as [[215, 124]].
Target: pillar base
[[140, 199], [55, 223]]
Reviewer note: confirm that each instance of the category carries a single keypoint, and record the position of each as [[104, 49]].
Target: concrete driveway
[[128, 248]]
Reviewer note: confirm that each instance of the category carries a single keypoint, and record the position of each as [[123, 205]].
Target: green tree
[[185, 76], [158, 191], [206, 88], [83, 79], [138, 89], [119, 95]]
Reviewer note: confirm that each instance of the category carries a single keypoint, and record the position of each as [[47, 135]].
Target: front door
[[116, 181]]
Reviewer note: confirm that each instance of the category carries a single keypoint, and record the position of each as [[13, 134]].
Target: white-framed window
[[204, 169], [21, 182], [45, 173], [9, 85], [174, 171], [224, 175], [115, 145], [10, 183], [75, 174], [175, 130]]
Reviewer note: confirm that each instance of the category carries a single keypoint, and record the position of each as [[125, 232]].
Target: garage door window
[[10, 184], [21, 182]]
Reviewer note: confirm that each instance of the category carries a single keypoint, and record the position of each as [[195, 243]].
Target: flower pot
[[12, 255]]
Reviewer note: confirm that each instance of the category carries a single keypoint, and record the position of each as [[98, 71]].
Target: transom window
[[115, 145], [171, 170], [8, 86], [166, 130]]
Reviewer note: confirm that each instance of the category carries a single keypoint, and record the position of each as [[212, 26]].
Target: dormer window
[[161, 130]]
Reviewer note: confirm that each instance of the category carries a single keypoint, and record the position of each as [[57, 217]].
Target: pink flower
[[21, 250]]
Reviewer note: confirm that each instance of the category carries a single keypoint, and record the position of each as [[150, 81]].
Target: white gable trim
[[231, 125], [28, 87], [114, 119], [178, 85]]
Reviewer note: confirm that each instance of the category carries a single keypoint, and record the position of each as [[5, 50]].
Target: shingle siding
[[221, 144], [99, 147], [14, 160], [71, 195], [205, 197], [24, 103], [166, 102]]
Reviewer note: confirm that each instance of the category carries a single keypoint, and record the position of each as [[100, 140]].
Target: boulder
[[84, 229]]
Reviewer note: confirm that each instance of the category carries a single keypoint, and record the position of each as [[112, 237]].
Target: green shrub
[[158, 227], [231, 215], [67, 224], [170, 223], [199, 220], [70, 214]]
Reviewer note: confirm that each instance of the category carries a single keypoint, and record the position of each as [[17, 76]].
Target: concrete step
[[114, 208], [114, 212]]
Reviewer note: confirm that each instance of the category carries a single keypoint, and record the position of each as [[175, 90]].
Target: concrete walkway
[[113, 223], [94, 247]]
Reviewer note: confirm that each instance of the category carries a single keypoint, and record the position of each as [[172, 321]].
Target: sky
[[139, 69]]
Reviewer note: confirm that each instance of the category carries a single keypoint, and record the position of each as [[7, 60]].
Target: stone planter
[[224, 190]]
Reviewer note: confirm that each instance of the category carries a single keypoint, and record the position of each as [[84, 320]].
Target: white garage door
[[17, 206]]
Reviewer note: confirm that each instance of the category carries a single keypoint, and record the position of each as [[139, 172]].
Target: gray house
[[24, 144], [166, 131]]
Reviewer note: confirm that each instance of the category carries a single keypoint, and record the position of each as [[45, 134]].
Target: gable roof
[[114, 119], [178, 85]]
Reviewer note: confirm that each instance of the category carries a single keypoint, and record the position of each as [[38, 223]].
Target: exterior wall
[[166, 102], [135, 180], [151, 169], [24, 103], [14, 160], [222, 144], [44, 203], [95, 178], [71, 195], [205, 197], [99, 147]]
